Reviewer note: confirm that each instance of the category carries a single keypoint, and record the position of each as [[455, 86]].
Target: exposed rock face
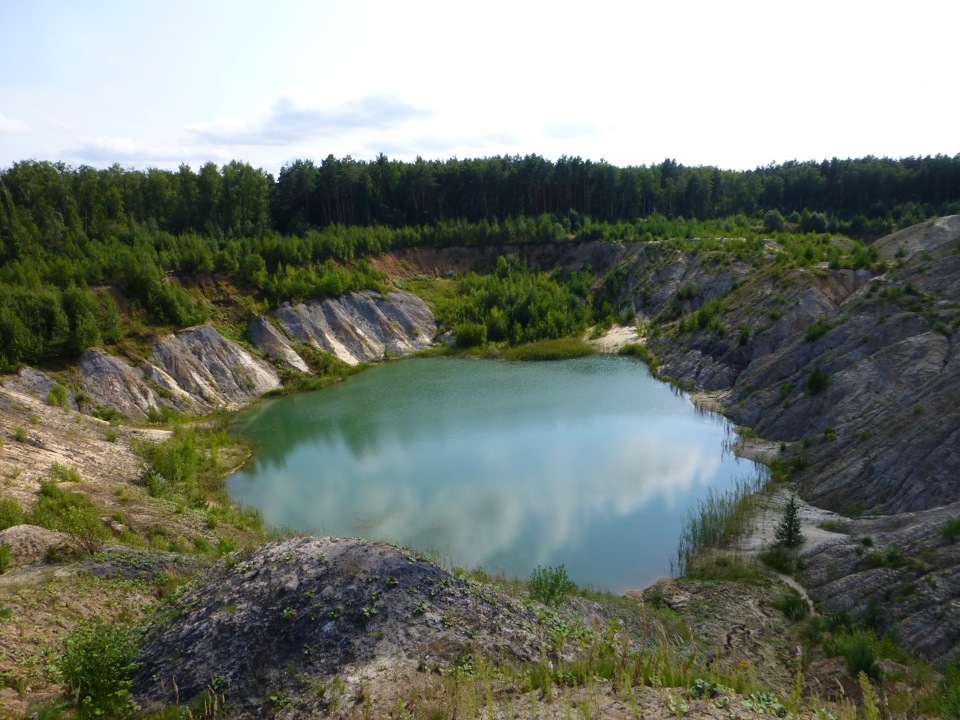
[[113, 383], [906, 565], [196, 370], [361, 326], [320, 604], [881, 436], [270, 341], [213, 371]]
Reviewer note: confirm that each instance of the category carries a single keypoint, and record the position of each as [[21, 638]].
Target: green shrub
[[550, 585], [470, 334], [542, 350], [64, 473], [6, 556], [951, 529], [780, 559], [97, 665], [70, 512], [817, 381], [791, 605], [950, 691], [19, 434], [859, 651], [10, 513], [58, 396]]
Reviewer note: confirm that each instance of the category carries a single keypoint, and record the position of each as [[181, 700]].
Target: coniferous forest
[[72, 239]]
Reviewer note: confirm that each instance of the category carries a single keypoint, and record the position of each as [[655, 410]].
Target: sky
[[728, 83]]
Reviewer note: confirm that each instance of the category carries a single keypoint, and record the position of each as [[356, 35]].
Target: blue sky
[[734, 84]]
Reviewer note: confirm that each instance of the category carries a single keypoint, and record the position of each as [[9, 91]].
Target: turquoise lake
[[590, 463]]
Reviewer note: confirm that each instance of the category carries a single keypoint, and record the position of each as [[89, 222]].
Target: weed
[[791, 605], [951, 529], [57, 396], [71, 512], [550, 585], [10, 513], [6, 556], [20, 434], [64, 473], [97, 665]]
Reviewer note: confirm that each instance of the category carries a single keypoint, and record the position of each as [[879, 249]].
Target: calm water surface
[[590, 463]]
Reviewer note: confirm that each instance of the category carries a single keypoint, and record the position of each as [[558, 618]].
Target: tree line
[[70, 237]]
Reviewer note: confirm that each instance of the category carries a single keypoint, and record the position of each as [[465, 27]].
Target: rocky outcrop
[[111, 382], [213, 371], [320, 604], [906, 566], [360, 327], [878, 436], [196, 371], [271, 342]]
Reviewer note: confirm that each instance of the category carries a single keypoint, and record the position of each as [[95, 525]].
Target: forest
[[71, 239]]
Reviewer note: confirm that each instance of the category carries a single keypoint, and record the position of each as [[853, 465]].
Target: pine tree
[[788, 532]]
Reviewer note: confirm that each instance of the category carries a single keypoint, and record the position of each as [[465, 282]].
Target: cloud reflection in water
[[590, 463]]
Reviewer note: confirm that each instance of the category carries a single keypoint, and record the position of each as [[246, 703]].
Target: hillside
[[850, 374]]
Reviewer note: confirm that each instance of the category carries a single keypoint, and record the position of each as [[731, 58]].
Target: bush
[[10, 513], [6, 556], [470, 334], [97, 665], [70, 512], [817, 381], [861, 656], [780, 559], [550, 585], [791, 605], [57, 396], [951, 529]]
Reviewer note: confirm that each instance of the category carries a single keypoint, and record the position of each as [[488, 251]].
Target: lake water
[[590, 463]]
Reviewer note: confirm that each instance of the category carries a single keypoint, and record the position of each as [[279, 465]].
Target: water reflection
[[590, 463]]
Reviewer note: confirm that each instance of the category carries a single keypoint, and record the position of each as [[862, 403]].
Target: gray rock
[[270, 341], [112, 383], [361, 326]]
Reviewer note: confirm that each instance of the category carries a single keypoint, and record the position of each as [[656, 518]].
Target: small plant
[[951, 529], [65, 473], [369, 611], [111, 436], [288, 613], [550, 585], [420, 609], [817, 381], [788, 533], [6, 556], [57, 396], [861, 657], [97, 665], [19, 434], [791, 605], [10, 513]]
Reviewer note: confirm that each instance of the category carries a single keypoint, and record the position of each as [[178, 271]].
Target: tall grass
[[719, 521]]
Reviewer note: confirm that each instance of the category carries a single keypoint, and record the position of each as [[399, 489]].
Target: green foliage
[[773, 221], [951, 529], [6, 556], [515, 306], [859, 651], [10, 513], [543, 350], [788, 532], [791, 605], [817, 329], [69, 512], [550, 585], [57, 396], [20, 434], [817, 381], [718, 521], [780, 559], [97, 666], [950, 691]]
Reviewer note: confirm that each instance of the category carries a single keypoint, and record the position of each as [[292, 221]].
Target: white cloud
[[10, 126], [286, 122]]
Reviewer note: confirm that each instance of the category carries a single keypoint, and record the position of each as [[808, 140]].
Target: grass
[[717, 522], [545, 350]]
